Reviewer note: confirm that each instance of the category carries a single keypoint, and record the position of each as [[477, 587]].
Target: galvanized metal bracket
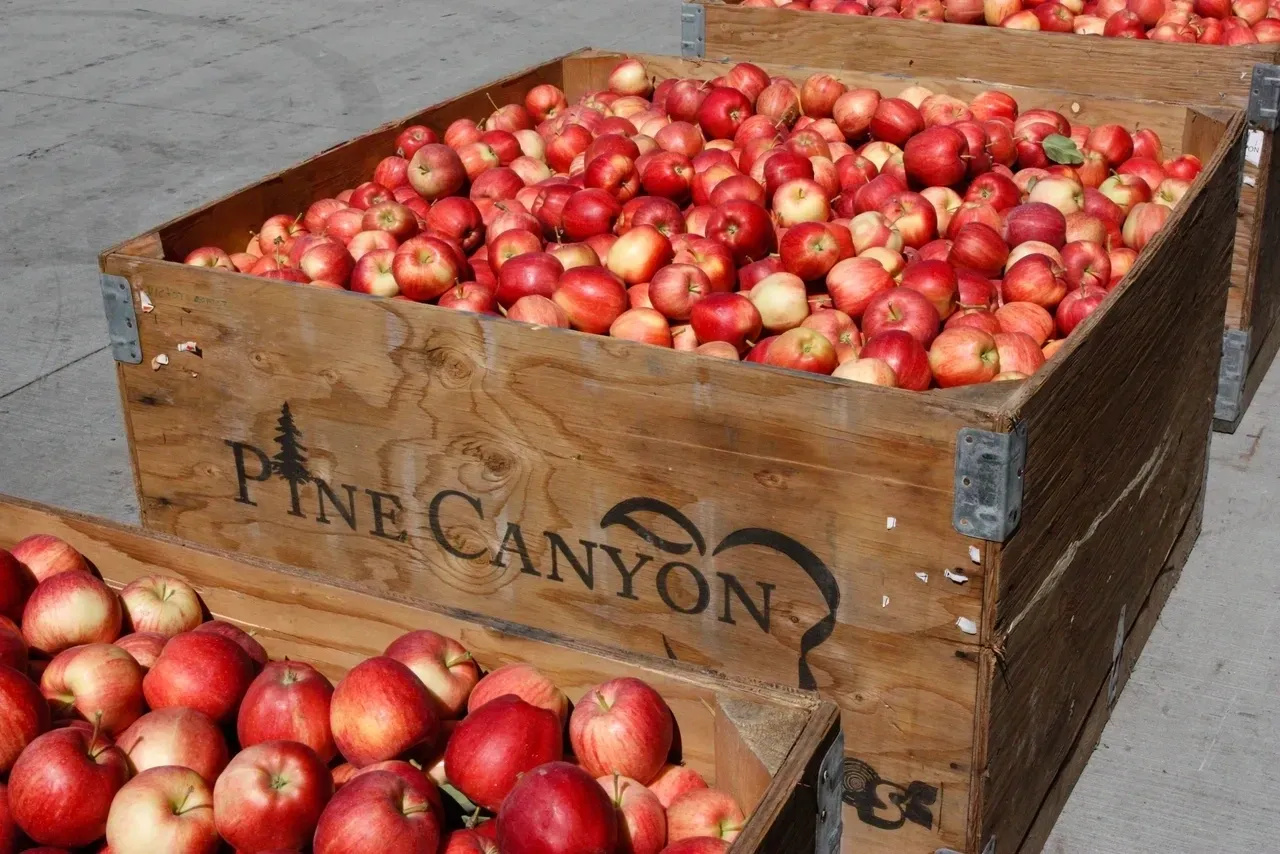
[[122, 321], [1231, 374], [1117, 651], [1264, 96], [830, 801], [988, 485], [693, 30]]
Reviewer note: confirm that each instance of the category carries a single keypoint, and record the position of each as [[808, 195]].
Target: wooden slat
[[1175, 73], [298, 616], [1115, 462]]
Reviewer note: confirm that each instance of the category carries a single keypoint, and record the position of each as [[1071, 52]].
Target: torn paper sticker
[[969, 627], [923, 576], [190, 347], [974, 554], [890, 523], [884, 601], [957, 577], [159, 361], [147, 307]]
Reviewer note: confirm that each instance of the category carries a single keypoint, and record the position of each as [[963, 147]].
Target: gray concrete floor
[[114, 118]]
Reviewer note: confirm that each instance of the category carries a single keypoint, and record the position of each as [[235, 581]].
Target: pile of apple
[[181, 736], [908, 241], [1228, 22]]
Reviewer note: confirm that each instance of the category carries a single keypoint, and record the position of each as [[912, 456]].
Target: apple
[[270, 796], [524, 681], [781, 300], [672, 781], [383, 811], [558, 809], [676, 288], [873, 229], [538, 310], [458, 219], [319, 212], [443, 665], [1032, 247], [1086, 263], [855, 282], [946, 203], [876, 192], [866, 370], [176, 736], [901, 308], [963, 356], [424, 268], [903, 354], [572, 255], [1185, 167], [1026, 317], [375, 274], [510, 244], [200, 670], [937, 157], [744, 228], [913, 216], [935, 250], [895, 120], [97, 682], [436, 171], [638, 254], [1084, 226], [941, 110], [163, 809], [936, 280], [16, 583], [714, 259], [1019, 353], [13, 646], [498, 742], [642, 325], [699, 844], [819, 93], [1170, 191], [1035, 221], [24, 715], [368, 241], [143, 647], [780, 103], [756, 272], [470, 296], [369, 194], [593, 297], [1078, 305], [1140, 226], [622, 726], [802, 349], [980, 248], [69, 609], [704, 812], [642, 820], [55, 765], [777, 167], [379, 710], [288, 701], [685, 98], [809, 250], [662, 214], [1035, 278], [722, 112], [468, 841], [801, 200], [44, 556], [209, 256], [409, 140], [1065, 194], [994, 189], [718, 350], [726, 317], [344, 225], [167, 606]]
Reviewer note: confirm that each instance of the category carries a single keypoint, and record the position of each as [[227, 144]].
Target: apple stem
[[182, 806], [93, 739], [491, 101]]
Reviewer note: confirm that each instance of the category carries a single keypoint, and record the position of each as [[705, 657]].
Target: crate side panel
[[1188, 74], [767, 524], [1117, 438]]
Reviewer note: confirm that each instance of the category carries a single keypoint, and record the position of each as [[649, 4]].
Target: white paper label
[[1253, 148]]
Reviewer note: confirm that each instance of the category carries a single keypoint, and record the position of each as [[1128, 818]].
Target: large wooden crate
[[951, 568], [776, 751], [1246, 78]]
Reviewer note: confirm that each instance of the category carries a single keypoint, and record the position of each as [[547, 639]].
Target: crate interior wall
[[773, 525], [763, 744], [1105, 67]]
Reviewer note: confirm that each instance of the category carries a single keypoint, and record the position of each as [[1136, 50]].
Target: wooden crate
[[769, 747], [1246, 78], [780, 526]]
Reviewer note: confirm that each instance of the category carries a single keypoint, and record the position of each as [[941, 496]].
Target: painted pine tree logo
[[291, 463]]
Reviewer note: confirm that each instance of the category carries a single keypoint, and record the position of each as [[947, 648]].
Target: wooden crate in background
[[960, 571], [1245, 77], [765, 746]]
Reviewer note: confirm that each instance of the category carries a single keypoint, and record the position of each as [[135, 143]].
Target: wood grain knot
[[451, 367], [771, 479]]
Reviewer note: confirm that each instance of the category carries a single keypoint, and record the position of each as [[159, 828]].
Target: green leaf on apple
[[1062, 149]]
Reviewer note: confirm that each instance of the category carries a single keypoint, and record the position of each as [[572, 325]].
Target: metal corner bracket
[[1264, 96], [122, 322], [1231, 374], [693, 30], [988, 482], [830, 799]]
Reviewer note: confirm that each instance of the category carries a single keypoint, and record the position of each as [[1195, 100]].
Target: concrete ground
[[114, 118]]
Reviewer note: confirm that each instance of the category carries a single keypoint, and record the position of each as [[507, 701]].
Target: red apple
[[557, 809], [855, 282], [714, 259], [676, 288], [155, 603], [1035, 278], [913, 216], [1026, 317], [722, 111], [545, 101], [531, 273], [937, 157], [726, 317], [642, 325], [743, 227], [288, 701], [538, 310], [443, 665], [271, 796], [662, 214], [369, 194], [436, 171], [24, 715], [801, 200], [802, 349], [200, 670], [1018, 352], [99, 683], [70, 609], [319, 212], [16, 584], [470, 296], [45, 556], [995, 189], [1140, 226], [375, 274], [13, 646], [819, 93], [144, 647], [176, 736], [904, 355], [895, 121], [809, 250], [1078, 305], [524, 681], [701, 844], [424, 268], [55, 765], [379, 710], [163, 809], [210, 256], [639, 254], [1086, 263], [704, 812], [622, 726], [498, 742], [642, 820], [593, 297], [409, 140], [901, 308], [1035, 221], [781, 300], [980, 248], [673, 781], [384, 811], [239, 637], [963, 356], [936, 280]]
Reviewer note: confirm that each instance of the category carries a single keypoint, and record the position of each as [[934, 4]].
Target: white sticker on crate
[[1253, 148]]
